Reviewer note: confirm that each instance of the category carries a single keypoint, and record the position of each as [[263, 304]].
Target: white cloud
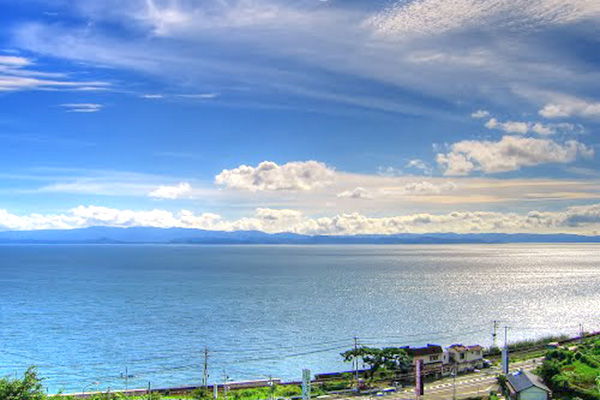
[[16, 73], [422, 188], [523, 128], [568, 106], [389, 171], [181, 190], [357, 193], [420, 17], [509, 154], [256, 35], [542, 129], [200, 96], [103, 216], [82, 107], [509, 126], [9, 221], [163, 18], [170, 18], [426, 188], [577, 219], [269, 176], [419, 164], [153, 96], [14, 61], [480, 114]]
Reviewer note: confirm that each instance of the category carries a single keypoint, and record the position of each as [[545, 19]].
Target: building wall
[[474, 356], [469, 356], [533, 393], [430, 359]]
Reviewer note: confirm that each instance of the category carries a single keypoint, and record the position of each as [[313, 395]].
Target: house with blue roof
[[523, 385]]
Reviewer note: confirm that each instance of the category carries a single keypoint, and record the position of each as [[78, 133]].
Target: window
[[462, 356], [434, 358]]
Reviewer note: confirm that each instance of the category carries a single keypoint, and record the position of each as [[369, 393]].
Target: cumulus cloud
[[427, 188], [568, 106], [480, 114], [104, 216], [509, 154], [577, 219], [522, 128], [419, 164], [269, 176], [357, 193], [509, 126], [181, 190]]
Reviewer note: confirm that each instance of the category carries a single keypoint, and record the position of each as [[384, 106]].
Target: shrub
[[28, 388]]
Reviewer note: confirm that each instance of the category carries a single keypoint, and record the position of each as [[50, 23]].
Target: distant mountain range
[[146, 235]]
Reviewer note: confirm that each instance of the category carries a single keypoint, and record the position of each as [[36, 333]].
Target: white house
[[523, 385], [465, 358]]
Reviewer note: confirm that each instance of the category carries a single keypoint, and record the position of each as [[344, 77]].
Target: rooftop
[[460, 348], [424, 351], [522, 380]]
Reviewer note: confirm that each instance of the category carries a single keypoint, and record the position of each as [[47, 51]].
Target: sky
[[307, 116]]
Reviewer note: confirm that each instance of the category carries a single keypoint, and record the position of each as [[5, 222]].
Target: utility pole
[[356, 363], [305, 384], [454, 383], [126, 378], [205, 374], [505, 352], [225, 377], [494, 334]]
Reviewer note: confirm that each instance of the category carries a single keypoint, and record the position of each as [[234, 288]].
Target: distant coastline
[[150, 235]]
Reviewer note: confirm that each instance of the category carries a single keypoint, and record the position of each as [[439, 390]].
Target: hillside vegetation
[[573, 372]]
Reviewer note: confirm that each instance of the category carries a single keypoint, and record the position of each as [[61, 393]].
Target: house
[[552, 345], [433, 356], [523, 385], [465, 358]]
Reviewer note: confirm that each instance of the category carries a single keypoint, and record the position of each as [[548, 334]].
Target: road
[[468, 385]]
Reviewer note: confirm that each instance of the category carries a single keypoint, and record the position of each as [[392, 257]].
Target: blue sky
[[311, 116]]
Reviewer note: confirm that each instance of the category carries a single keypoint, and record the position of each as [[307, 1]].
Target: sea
[[99, 317]]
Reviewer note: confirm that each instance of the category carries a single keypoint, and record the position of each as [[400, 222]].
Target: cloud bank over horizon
[[575, 219]]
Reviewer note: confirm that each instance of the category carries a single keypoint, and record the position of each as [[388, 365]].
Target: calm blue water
[[82, 313]]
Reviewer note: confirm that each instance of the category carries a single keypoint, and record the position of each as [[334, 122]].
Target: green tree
[[28, 388], [548, 370], [388, 358], [395, 359], [560, 383]]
